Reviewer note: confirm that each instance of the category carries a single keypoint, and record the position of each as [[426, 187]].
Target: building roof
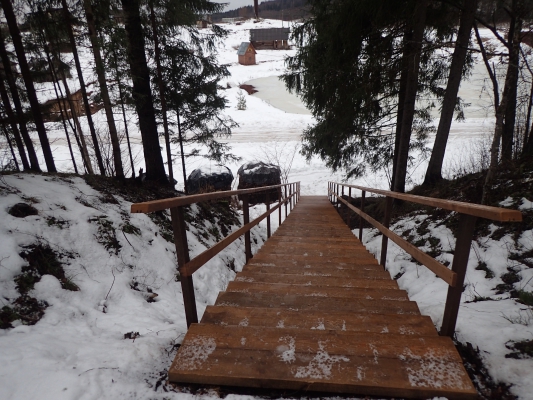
[[264, 35], [243, 47]]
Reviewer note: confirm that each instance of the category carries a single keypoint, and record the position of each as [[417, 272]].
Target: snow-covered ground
[[78, 351]]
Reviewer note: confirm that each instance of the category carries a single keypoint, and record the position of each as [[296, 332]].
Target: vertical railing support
[[386, 222], [268, 217], [350, 192], [246, 220], [182, 252], [279, 209], [286, 200], [337, 197], [363, 193], [460, 261], [290, 198]]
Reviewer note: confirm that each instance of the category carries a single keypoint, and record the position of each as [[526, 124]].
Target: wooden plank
[[477, 210], [353, 273], [332, 361], [315, 281], [301, 260], [323, 291], [316, 303], [392, 324]]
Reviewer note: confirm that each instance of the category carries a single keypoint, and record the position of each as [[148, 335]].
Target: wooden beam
[[477, 210]]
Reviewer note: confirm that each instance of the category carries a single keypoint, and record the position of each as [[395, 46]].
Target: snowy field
[[78, 350]]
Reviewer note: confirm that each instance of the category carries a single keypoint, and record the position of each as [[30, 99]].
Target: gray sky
[[233, 4]]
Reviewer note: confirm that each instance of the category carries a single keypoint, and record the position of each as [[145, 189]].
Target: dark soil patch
[[250, 89], [486, 387], [22, 210], [523, 349], [42, 261]]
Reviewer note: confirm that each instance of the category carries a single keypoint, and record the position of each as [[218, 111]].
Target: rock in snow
[[205, 180], [258, 174]]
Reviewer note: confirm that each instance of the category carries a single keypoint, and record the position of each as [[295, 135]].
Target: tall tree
[[100, 72], [11, 82], [28, 81], [413, 67], [68, 25], [434, 169], [142, 94]]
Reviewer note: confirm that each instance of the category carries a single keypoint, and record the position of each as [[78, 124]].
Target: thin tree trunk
[[11, 147], [80, 138], [498, 130], [434, 170], [86, 105], [401, 100], [142, 95], [100, 71], [13, 122], [419, 24], [61, 104], [492, 75], [510, 111], [28, 81], [185, 189], [34, 162], [161, 92], [256, 9]]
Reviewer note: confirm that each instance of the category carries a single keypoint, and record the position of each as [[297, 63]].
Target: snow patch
[[287, 350], [195, 352], [321, 365]]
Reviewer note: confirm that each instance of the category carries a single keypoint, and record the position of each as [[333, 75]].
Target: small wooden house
[[270, 38], [246, 53]]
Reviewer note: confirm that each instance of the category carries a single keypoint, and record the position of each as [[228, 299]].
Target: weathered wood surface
[[313, 311]]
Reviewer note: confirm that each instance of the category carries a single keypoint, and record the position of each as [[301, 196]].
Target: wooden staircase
[[313, 311]]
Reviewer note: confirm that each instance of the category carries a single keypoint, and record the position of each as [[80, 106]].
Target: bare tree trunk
[[434, 170], [142, 95], [34, 162], [185, 189], [100, 71], [61, 104], [513, 70], [256, 9], [11, 147], [28, 81], [492, 75], [401, 100], [419, 24], [86, 105], [161, 92], [13, 122], [498, 130], [80, 138]]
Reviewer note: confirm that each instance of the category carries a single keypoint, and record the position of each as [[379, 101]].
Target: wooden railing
[[468, 215], [186, 266]]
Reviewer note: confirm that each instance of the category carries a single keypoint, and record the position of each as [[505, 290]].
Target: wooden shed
[[246, 53], [271, 38]]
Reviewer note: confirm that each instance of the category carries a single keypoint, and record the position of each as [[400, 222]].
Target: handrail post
[[337, 197], [182, 252], [385, 239], [350, 192], [286, 199], [363, 194], [460, 262], [279, 208], [268, 217], [246, 220], [290, 198]]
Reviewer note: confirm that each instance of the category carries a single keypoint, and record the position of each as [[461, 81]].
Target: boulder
[[209, 179], [258, 174]]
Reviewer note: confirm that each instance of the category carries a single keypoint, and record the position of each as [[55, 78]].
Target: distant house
[[246, 54], [273, 38]]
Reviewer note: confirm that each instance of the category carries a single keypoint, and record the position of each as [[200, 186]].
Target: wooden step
[[283, 289], [417, 325], [316, 360], [347, 272], [307, 260], [315, 281], [316, 303]]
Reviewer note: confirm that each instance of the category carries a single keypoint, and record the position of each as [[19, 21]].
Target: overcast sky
[[233, 4]]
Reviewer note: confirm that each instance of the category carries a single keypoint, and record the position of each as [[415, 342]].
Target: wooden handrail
[[164, 204], [454, 277], [477, 210], [187, 267], [439, 269]]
